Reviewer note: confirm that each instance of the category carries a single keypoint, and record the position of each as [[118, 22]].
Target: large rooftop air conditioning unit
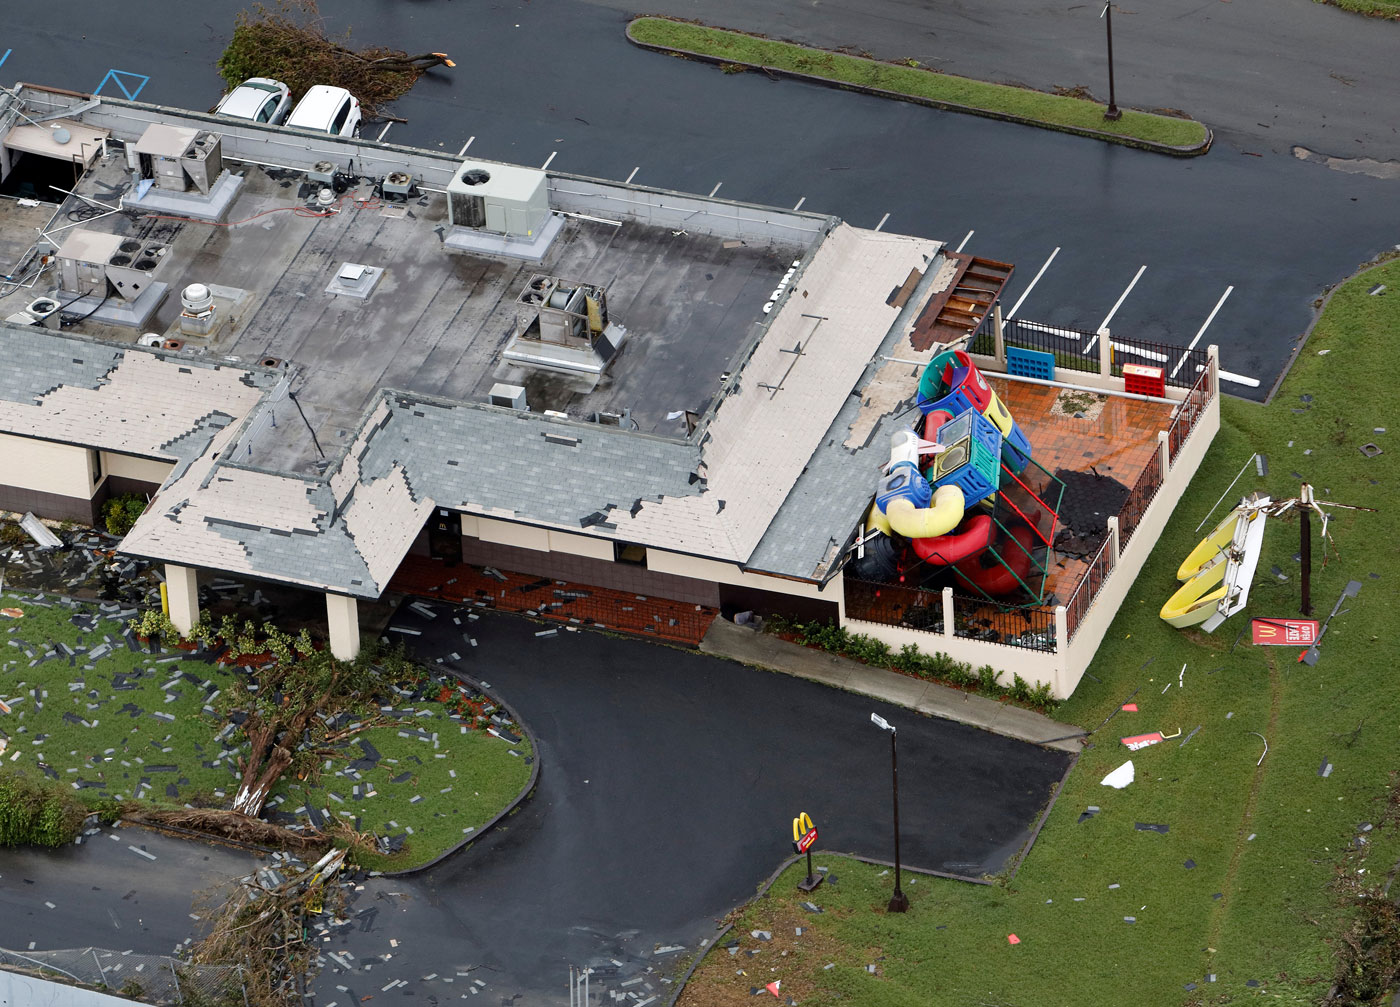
[[83, 259], [500, 198], [180, 158]]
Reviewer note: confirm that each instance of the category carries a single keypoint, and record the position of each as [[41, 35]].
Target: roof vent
[[475, 176]]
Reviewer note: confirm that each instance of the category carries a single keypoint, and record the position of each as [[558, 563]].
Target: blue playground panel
[[125, 80], [980, 469], [1030, 363]]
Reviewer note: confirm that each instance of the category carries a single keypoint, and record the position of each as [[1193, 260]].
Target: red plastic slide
[[961, 544]]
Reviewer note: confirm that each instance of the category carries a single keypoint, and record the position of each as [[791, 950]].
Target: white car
[[326, 109], [257, 99]]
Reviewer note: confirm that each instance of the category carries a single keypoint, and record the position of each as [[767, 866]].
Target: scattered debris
[[1266, 750], [1120, 777], [1012, 939], [1089, 813], [1325, 769], [1189, 736], [1150, 827]]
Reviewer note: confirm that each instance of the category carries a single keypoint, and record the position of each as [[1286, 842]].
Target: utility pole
[[1305, 505]]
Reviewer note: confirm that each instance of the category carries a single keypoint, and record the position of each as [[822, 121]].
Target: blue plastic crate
[[972, 481], [1030, 363]]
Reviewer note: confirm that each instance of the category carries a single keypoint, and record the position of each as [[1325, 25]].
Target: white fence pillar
[[1164, 453], [1116, 549], [948, 612], [1105, 354]]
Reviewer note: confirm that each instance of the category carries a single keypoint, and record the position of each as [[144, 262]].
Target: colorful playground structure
[[962, 498]]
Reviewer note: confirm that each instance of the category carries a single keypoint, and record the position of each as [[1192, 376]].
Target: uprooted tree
[[289, 42], [288, 708], [261, 922]]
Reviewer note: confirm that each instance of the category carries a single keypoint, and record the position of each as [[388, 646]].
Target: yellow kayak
[[1199, 598]]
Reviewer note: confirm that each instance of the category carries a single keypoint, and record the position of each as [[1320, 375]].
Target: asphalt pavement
[[556, 78], [668, 784]]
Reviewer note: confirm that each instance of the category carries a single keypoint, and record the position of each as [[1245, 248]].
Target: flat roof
[[761, 328]]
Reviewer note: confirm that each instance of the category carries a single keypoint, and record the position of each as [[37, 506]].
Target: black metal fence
[[1188, 413], [895, 605], [1073, 349], [1140, 497], [1031, 628], [1100, 567], [1181, 367]]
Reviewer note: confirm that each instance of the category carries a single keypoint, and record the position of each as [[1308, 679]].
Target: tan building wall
[[145, 470], [509, 533], [46, 467], [728, 573]]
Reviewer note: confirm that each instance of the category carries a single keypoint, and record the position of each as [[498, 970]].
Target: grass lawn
[[915, 81], [1258, 873], [133, 725], [1371, 8]]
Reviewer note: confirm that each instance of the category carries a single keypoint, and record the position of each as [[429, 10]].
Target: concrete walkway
[[725, 639]]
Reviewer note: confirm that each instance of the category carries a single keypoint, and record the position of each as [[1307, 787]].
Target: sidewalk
[[725, 639]]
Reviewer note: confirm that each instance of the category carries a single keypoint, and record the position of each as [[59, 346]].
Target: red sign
[[1283, 632], [1140, 741], [804, 843]]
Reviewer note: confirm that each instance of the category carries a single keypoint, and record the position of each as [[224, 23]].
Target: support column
[[948, 626], [343, 623], [182, 595], [1061, 631], [998, 334], [1105, 354]]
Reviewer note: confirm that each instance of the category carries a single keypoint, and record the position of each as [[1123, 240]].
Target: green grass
[[1284, 893], [1371, 8], [1050, 109], [464, 779]]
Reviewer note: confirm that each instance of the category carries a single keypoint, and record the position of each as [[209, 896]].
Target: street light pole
[[1111, 113], [899, 902]]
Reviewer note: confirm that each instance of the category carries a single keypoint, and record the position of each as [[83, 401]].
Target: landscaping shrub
[[120, 512], [33, 814]]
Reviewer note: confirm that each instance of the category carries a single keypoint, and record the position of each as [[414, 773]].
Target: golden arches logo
[[801, 825]]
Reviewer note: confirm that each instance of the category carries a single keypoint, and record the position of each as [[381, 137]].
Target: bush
[[33, 814], [120, 512]]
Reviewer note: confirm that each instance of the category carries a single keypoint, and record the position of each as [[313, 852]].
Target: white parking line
[[800, 202], [1114, 310], [965, 241], [465, 146], [1202, 332], [1027, 291], [383, 132], [715, 189], [882, 221], [548, 159], [633, 175]]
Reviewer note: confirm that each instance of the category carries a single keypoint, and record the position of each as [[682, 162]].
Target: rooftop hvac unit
[[501, 198], [509, 396], [162, 151], [83, 259], [203, 161], [44, 311], [323, 172], [398, 183], [130, 269]]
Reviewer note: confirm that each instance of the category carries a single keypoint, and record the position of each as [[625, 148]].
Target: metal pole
[[100, 970], [1111, 113], [1305, 545], [899, 902]]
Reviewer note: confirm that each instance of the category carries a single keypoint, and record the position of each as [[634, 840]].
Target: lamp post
[[1111, 113], [899, 902]]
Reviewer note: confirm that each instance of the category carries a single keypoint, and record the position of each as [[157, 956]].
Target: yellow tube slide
[[927, 522], [876, 520], [1197, 599], [1210, 549]]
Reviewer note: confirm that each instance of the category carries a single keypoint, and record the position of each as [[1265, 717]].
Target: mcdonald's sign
[[804, 833], [1283, 632]]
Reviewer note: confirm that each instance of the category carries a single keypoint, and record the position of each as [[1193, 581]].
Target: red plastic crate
[[1140, 379]]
